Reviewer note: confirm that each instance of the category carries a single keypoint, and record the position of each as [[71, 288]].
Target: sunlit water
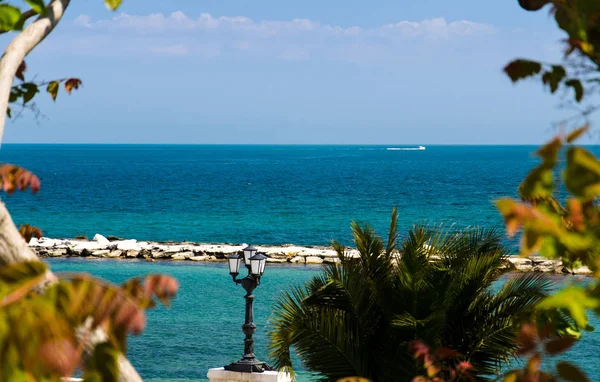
[[202, 329]]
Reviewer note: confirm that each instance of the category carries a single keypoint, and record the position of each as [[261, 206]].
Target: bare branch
[[20, 46]]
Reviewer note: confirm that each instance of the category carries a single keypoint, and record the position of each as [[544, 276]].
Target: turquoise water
[[202, 329], [259, 194]]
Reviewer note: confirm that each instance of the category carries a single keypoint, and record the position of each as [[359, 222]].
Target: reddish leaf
[[59, 356], [570, 372], [559, 345], [527, 338], [20, 70], [576, 214], [161, 286], [72, 83], [445, 353], [14, 177], [419, 349], [130, 318], [29, 231]]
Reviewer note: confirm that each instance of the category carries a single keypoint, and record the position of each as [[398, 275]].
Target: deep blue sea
[[256, 194], [259, 194]]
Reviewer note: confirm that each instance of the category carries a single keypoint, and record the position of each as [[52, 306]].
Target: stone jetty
[[112, 247]]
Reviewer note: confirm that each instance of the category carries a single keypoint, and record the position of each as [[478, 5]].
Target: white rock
[[57, 252], [128, 245], [89, 245], [114, 254], [297, 260], [46, 243], [182, 255], [520, 263], [132, 253], [272, 260], [331, 260], [101, 253], [314, 260], [160, 255], [100, 239], [199, 258], [33, 242], [582, 271]]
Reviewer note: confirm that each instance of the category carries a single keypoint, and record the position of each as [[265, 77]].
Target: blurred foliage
[[44, 334], [537, 342], [434, 361], [359, 317], [566, 228]]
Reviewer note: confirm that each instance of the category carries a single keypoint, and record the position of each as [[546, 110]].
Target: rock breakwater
[[102, 247]]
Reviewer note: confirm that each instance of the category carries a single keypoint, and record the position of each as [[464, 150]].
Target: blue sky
[[299, 72]]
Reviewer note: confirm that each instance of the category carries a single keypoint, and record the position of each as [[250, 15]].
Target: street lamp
[[255, 263]]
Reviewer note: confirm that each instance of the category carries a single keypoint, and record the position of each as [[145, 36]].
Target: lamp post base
[[248, 366]]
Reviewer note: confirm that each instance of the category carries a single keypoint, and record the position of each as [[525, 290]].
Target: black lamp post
[[256, 267]]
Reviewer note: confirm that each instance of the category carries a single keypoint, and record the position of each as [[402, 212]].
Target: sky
[[293, 72]]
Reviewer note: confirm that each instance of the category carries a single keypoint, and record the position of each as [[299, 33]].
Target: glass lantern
[[257, 264]]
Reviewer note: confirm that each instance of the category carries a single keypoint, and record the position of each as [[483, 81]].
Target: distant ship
[[406, 148]]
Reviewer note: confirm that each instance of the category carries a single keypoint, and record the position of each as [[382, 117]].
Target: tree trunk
[[13, 248]]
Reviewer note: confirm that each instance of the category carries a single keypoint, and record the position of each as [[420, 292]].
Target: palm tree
[[358, 317]]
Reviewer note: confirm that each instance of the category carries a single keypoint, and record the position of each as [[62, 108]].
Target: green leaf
[[21, 272], [37, 6], [582, 173], [53, 89], [554, 77], [112, 4], [103, 364], [571, 372], [533, 5], [9, 17], [519, 69], [31, 90], [573, 135], [577, 87], [573, 299], [8, 112]]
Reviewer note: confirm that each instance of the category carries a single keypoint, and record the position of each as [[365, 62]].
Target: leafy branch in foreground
[[63, 316], [25, 91], [536, 343], [580, 70]]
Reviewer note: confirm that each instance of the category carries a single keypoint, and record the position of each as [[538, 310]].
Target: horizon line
[[391, 145]]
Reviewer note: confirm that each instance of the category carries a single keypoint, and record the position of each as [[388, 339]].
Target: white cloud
[[83, 21], [298, 39], [437, 28]]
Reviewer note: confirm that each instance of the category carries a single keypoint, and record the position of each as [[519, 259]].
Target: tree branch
[[13, 248], [20, 46]]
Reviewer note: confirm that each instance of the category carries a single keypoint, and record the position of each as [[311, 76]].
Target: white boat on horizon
[[406, 148]]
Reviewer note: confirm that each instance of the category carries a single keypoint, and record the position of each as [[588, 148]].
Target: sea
[[258, 194]]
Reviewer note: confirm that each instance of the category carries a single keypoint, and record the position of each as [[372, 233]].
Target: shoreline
[[115, 248]]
